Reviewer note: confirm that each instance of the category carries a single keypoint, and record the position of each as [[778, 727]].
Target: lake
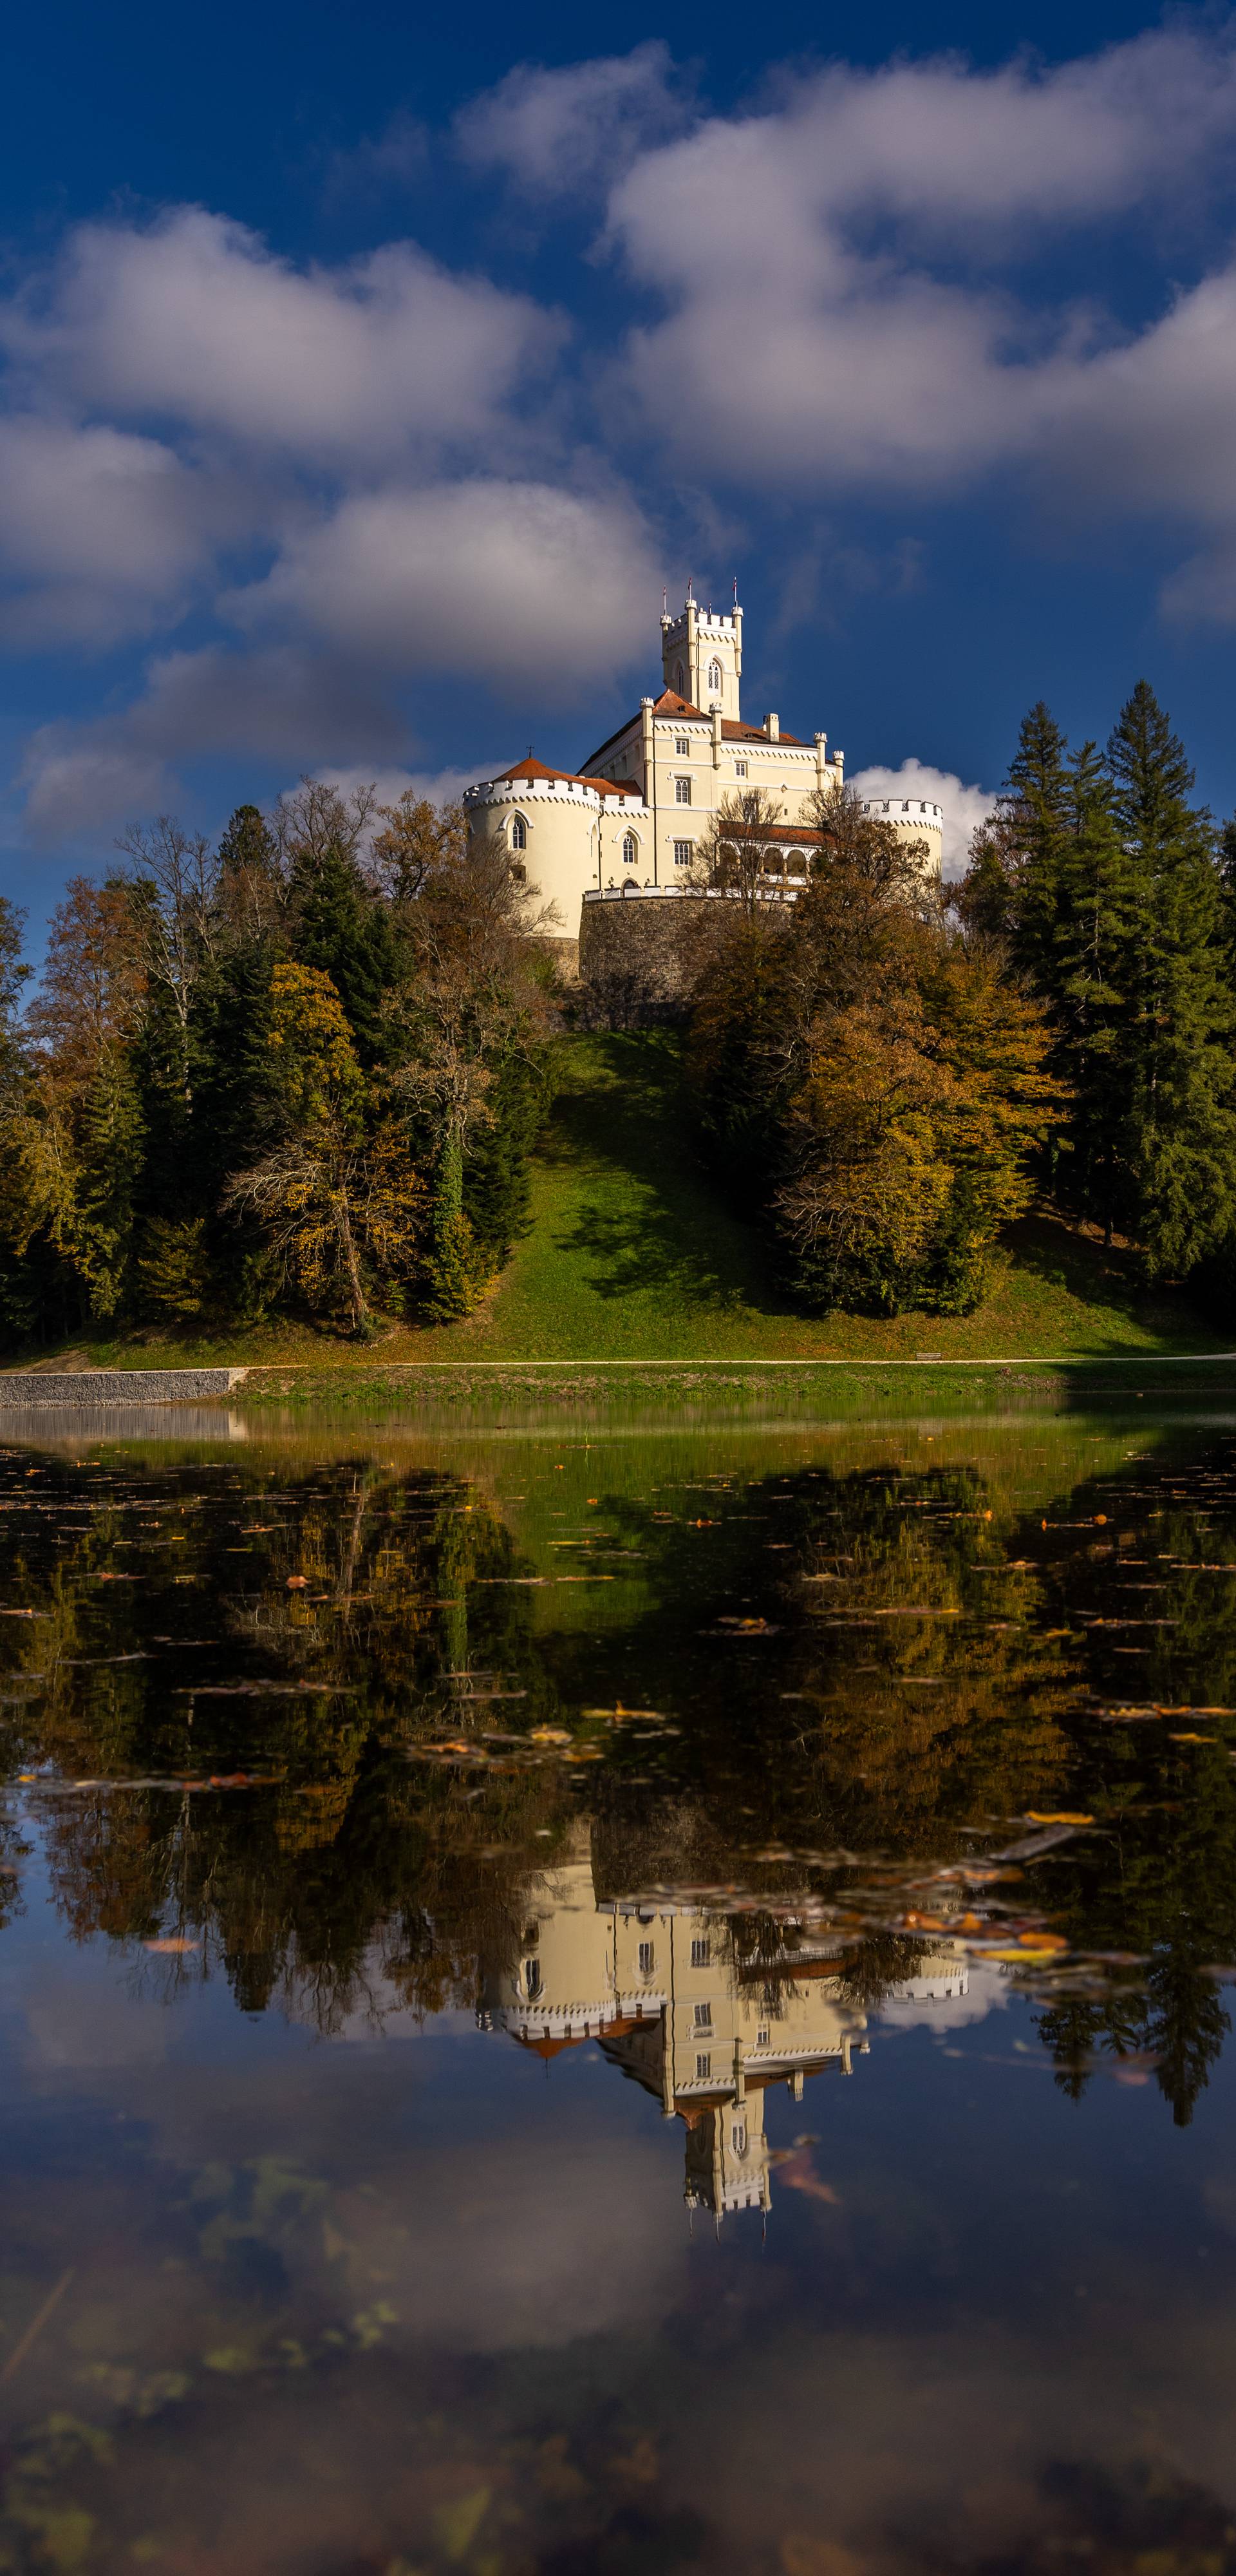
[[620, 1990]]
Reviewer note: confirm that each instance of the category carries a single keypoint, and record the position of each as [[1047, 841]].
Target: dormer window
[[519, 833]]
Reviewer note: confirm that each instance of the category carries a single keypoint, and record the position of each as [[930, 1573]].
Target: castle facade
[[630, 819]]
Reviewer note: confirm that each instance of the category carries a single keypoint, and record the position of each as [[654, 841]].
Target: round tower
[[914, 819]]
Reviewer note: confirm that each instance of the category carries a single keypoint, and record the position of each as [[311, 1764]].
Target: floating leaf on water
[[1055, 1816], [456, 2525], [174, 1941]]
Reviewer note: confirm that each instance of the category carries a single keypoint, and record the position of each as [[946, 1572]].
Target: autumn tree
[[879, 1082], [337, 1186], [468, 1022], [417, 843], [74, 1134]]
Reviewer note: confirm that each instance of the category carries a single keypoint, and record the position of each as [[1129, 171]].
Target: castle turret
[[916, 820], [701, 657]]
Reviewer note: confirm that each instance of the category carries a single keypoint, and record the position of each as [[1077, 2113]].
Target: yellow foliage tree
[[338, 1184]]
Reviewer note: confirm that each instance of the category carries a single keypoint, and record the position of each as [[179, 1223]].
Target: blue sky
[[368, 374]]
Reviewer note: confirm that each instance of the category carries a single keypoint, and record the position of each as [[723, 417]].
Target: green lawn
[[633, 1255]]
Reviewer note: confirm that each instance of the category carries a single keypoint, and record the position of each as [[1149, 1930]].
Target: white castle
[[630, 819], [660, 1986]]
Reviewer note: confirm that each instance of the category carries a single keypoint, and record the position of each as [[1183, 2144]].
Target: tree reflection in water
[[337, 1734]]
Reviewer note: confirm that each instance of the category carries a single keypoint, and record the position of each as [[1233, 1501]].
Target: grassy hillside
[[633, 1255]]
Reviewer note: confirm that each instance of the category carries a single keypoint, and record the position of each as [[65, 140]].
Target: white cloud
[[100, 531], [81, 781], [80, 786], [502, 581], [195, 321], [964, 807], [848, 241], [373, 469], [556, 133], [436, 786]]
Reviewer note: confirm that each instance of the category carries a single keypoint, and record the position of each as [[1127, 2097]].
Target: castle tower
[[701, 657]]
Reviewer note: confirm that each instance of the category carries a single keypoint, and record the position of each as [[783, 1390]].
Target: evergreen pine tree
[[1088, 972], [1227, 880], [342, 931], [1036, 827], [1181, 1124]]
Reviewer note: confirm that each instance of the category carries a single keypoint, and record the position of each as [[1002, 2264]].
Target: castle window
[[630, 849], [646, 1956], [703, 2016], [532, 1979], [519, 833], [738, 2138], [701, 1953], [714, 678], [761, 2039], [682, 791], [703, 2068], [740, 769], [678, 678], [683, 746], [682, 853]]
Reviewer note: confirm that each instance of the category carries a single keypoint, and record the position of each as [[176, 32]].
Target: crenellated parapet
[[914, 819]]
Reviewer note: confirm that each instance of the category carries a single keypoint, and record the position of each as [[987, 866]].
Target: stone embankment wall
[[29, 1389], [641, 955]]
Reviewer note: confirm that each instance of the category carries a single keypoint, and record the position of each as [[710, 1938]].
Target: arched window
[[714, 678], [630, 849], [519, 833], [678, 677]]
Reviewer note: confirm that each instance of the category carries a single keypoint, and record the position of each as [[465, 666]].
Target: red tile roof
[[796, 834], [535, 769], [755, 733], [669, 704]]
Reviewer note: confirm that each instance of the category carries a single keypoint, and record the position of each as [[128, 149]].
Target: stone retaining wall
[[30, 1388], [641, 955]]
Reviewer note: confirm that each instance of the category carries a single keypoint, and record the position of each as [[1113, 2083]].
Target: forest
[[303, 1071]]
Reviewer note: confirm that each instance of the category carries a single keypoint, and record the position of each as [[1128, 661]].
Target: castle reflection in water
[[706, 2010]]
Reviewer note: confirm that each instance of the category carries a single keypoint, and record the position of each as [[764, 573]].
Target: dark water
[[637, 1997]]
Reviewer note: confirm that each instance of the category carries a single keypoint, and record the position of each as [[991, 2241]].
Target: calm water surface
[[629, 1995]]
